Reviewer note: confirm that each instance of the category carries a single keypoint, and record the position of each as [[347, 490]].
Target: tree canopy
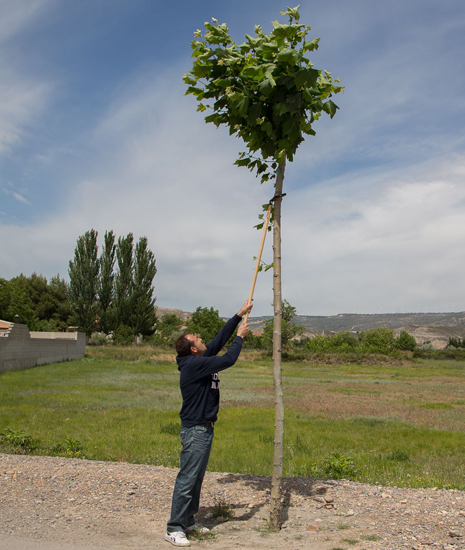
[[265, 90]]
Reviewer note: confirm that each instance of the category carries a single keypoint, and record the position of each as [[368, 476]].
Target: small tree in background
[[205, 322], [267, 92], [377, 340], [170, 327], [107, 283], [405, 341], [143, 316], [124, 280], [40, 305], [83, 276], [15, 300], [289, 328]]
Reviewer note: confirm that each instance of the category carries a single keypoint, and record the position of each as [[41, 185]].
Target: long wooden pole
[[259, 257]]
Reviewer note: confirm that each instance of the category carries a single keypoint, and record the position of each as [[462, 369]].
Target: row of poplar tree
[[109, 293], [113, 291]]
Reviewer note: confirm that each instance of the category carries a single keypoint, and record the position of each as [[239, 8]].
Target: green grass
[[380, 424]]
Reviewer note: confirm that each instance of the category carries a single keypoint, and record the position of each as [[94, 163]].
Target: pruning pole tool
[[259, 257]]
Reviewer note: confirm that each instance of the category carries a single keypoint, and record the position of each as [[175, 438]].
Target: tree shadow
[[305, 487]]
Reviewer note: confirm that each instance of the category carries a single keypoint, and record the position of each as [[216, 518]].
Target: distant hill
[[433, 327]]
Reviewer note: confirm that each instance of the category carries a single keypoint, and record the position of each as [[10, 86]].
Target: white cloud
[[18, 14], [393, 246], [22, 97]]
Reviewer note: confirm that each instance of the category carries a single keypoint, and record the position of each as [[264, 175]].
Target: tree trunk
[[276, 480]]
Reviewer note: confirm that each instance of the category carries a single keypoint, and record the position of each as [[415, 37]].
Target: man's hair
[[183, 345]]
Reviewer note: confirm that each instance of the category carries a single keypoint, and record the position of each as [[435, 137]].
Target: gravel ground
[[118, 505]]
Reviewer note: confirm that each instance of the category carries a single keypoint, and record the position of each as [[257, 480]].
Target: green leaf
[[294, 101], [267, 127], [203, 57], [200, 71], [268, 47], [188, 79], [215, 118], [242, 162], [266, 87], [201, 107], [255, 112], [306, 77], [292, 12], [193, 90], [330, 108], [288, 126], [222, 82], [285, 31], [281, 108], [253, 71], [288, 55], [312, 45]]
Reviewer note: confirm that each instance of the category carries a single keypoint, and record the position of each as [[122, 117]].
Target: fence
[[21, 349]]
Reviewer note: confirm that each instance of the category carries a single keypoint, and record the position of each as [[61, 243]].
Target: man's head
[[190, 344]]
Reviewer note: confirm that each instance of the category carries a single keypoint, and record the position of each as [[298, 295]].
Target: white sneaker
[[178, 538], [196, 528]]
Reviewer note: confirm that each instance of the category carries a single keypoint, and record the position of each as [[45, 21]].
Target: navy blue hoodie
[[199, 379]]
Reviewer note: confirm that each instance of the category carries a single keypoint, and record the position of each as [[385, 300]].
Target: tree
[[15, 300], [289, 328], [378, 340], [39, 304], [101, 296], [143, 316], [205, 322], [124, 280], [54, 309], [107, 283], [267, 92], [405, 341], [5, 299], [168, 325], [83, 276]]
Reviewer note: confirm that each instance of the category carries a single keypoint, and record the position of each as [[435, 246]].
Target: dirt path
[[117, 505]]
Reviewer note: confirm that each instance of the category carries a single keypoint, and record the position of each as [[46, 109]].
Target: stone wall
[[21, 349]]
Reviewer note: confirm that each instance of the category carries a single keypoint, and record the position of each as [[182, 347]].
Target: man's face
[[198, 346]]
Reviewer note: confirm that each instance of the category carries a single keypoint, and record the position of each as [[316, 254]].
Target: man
[[199, 366]]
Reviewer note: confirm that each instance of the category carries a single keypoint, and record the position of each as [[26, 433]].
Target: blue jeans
[[196, 445]]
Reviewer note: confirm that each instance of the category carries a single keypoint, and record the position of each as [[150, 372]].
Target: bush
[[338, 466], [19, 440], [427, 346], [70, 448], [378, 340], [405, 341], [455, 343], [97, 339], [123, 336], [340, 342]]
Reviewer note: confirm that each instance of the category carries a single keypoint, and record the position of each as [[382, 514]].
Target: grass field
[[384, 424]]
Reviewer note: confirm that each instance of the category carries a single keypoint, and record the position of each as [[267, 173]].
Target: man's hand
[[243, 330], [245, 308]]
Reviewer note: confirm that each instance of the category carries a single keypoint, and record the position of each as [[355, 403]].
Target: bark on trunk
[[276, 480]]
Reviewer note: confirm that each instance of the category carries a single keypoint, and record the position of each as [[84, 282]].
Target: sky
[[96, 132]]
